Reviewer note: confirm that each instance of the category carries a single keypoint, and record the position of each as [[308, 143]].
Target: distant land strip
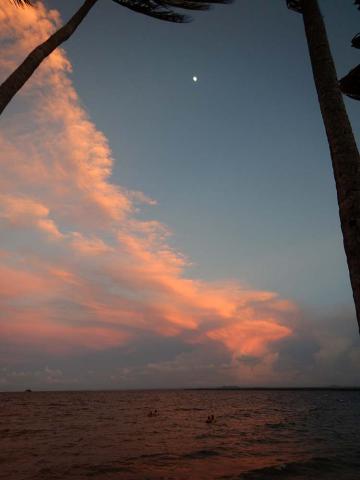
[[330, 387]]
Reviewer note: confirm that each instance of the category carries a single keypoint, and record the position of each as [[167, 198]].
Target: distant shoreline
[[195, 389], [332, 388]]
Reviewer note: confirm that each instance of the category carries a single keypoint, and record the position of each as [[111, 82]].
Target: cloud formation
[[83, 280]]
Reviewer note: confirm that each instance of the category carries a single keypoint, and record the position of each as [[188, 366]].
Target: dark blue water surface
[[109, 435]]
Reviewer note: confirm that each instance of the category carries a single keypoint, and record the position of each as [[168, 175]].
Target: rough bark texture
[[22, 74], [344, 153]]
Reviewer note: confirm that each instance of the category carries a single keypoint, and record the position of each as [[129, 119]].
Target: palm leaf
[[350, 84], [355, 42], [22, 3], [294, 5], [193, 4], [153, 9], [160, 8], [188, 5]]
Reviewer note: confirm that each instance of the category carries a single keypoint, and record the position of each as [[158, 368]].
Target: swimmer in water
[[154, 413]]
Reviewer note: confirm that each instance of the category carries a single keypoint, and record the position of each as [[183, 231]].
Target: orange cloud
[[35, 328], [24, 211], [250, 337], [83, 270]]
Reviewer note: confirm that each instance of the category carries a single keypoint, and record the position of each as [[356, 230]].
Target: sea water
[[110, 435]]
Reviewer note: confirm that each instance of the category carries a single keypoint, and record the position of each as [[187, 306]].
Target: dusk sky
[[161, 232]]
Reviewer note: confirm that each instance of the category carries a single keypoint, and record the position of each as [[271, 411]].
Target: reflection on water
[[109, 435]]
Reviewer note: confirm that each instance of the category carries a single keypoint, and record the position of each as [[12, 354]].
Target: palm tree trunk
[[344, 153], [22, 74]]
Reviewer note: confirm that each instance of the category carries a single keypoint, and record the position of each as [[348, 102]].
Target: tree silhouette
[[344, 152], [160, 9]]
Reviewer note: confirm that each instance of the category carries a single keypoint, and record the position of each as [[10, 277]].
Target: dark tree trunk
[[344, 153], [22, 74]]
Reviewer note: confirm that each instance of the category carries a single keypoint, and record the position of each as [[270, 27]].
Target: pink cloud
[[85, 272], [25, 211], [36, 328]]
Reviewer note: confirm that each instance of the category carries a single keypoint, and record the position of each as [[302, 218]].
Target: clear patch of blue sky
[[238, 162]]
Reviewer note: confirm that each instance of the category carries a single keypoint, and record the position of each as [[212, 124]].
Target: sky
[[159, 232]]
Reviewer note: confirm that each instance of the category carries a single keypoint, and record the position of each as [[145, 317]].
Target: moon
[[195, 78]]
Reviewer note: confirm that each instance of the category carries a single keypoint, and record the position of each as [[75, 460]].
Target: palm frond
[[350, 84], [219, 2], [294, 5], [355, 42], [188, 4], [193, 4], [161, 9], [153, 9], [22, 3]]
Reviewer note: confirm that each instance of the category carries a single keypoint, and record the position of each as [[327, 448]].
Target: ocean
[[256, 434]]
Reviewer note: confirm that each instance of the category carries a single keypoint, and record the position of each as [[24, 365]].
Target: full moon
[[195, 78]]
